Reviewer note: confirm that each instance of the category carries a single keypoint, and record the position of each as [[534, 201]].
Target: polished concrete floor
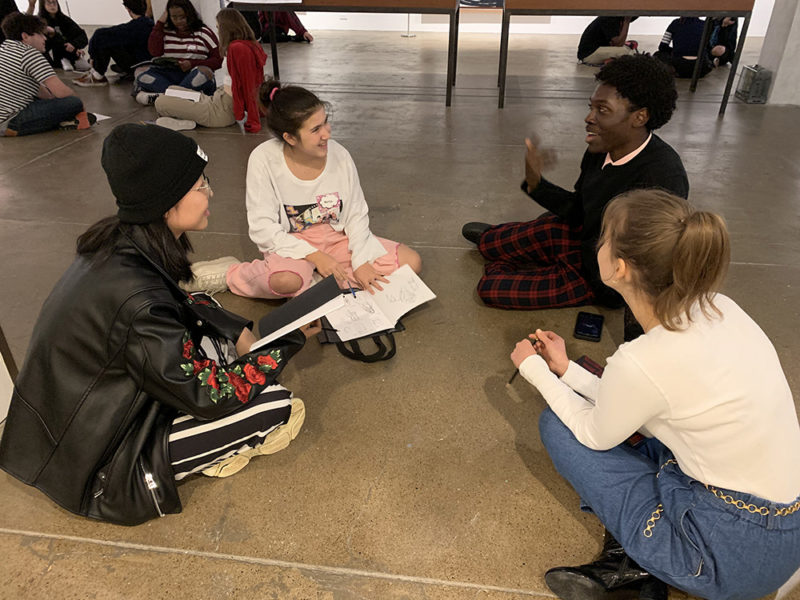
[[422, 477]]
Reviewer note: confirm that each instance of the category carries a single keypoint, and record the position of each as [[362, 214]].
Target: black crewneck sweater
[[656, 166]]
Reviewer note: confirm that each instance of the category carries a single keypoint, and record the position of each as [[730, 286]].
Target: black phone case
[[588, 326]]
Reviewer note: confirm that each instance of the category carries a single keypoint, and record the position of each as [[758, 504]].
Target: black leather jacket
[[114, 358]]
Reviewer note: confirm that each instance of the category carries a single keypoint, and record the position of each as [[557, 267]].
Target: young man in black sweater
[[551, 261]]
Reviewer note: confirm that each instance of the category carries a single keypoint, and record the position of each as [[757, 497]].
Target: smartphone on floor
[[588, 326]]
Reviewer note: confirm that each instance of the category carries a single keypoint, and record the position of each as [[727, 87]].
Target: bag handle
[[382, 353]]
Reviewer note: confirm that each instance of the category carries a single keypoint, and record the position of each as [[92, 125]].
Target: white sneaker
[[89, 80], [147, 98], [209, 275], [175, 124], [276, 441], [82, 64], [66, 65]]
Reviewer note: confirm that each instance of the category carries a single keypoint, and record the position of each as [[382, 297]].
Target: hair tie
[[272, 94]]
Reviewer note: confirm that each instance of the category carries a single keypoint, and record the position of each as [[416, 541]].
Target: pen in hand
[[516, 372], [352, 291]]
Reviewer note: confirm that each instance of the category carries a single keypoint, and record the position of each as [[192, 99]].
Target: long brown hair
[[232, 26], [193, 20], [100, 241], [679, 256], [287, 106], [46, 15]]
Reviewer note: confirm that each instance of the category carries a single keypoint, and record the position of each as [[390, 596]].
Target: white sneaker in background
[[82, 65], [147, 98], [209, 275], [89, 80], [66, 65], [175, 124]]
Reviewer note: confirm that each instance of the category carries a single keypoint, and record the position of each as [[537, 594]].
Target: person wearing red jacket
[[236, 101], [185, 52]]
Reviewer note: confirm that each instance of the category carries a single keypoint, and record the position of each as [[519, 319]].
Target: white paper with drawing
[[366, 314]]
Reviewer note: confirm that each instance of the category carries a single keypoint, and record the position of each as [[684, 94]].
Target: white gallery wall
[[109, 12]]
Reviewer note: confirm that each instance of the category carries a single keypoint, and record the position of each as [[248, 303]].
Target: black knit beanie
[[149, 169]]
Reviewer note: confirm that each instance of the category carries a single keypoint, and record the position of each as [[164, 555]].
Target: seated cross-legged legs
[[536, 264]]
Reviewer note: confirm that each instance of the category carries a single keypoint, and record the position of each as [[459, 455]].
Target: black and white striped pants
[[196, 445]]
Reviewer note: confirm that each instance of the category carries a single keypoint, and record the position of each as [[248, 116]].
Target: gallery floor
[[422, 477]]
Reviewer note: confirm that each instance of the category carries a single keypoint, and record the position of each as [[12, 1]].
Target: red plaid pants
[[536, 264]]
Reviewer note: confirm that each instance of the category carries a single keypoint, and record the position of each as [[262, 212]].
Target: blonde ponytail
[[679, 256]]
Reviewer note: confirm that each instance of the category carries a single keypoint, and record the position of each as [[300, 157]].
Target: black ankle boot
[[612, 570], [653, 589]]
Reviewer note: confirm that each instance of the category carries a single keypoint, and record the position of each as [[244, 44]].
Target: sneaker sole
[[228, 467], [276, 441], [283, 435], [90, 84], [176, 124]]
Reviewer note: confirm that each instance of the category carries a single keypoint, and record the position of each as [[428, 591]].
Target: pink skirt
[[252, 279]]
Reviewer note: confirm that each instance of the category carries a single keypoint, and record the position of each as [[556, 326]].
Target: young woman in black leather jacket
[[127, 378]]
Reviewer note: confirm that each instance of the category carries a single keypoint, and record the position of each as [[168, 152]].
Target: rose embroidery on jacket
[[228, 382], [199, 299]]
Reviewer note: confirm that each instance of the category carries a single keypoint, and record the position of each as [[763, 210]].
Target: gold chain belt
[[752, 508], [741, 504], [651, 522]]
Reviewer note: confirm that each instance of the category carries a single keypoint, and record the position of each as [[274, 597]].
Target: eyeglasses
[[206, 185]]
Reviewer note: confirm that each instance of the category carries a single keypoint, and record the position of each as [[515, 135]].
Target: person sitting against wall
[[125, 44], [185, 53], [605, 38], [237, 100], [130, 385], [722, 43], [32, 97], [285, 20], [66, 40], [706, 497], [680, 47]]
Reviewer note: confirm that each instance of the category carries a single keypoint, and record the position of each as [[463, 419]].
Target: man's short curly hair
[[645, 82]]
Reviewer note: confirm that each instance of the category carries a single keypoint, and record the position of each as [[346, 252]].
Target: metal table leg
[[501, 72], [273, 45], [451, 57], [701, 53], [734, 65]]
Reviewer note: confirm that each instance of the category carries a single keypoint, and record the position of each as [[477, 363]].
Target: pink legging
[[252, 279]]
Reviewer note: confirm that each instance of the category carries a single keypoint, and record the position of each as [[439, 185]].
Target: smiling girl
[[306, 210]]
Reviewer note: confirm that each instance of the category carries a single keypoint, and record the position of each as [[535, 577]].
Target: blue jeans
[[44, 115], [672, 525], [158, 79]]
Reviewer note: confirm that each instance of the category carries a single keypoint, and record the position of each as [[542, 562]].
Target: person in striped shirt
[[32, 98], [185, 51]]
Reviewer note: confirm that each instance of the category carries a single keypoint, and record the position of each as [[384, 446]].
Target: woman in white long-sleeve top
[[305, 208], [708, 502]]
